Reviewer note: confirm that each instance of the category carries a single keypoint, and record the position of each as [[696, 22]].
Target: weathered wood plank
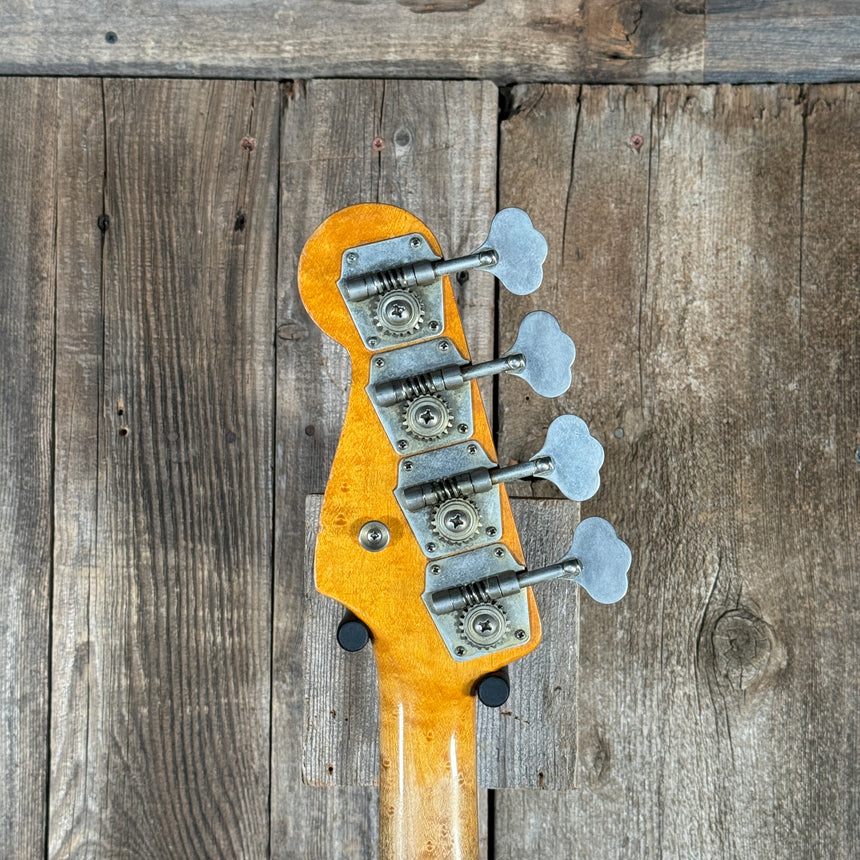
[[715, 702], [515, 40], [28, 177], [341, 731], [76, 794], [574, 159], [439, 146], [530, 742], [782, 40], [173, 755], [826, 511]]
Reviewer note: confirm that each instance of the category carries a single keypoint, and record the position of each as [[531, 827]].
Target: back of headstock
[[381, 586], [417, 537]]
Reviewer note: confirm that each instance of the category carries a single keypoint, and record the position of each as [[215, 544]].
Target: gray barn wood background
[[170, 414]]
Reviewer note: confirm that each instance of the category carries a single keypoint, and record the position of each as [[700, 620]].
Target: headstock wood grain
[[437, 577]]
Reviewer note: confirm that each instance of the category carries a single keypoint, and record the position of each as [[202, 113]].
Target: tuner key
[[598, 560], [571, 458], [542, 355], [520, 251], [604, 560], [576, 458], [547, 353]]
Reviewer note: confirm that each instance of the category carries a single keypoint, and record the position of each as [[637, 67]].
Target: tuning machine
[[393, 289], [452, 493], [421, 392], [477, 599]]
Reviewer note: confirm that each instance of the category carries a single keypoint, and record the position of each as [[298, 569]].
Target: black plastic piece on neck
[[493, 690], [352, 633]]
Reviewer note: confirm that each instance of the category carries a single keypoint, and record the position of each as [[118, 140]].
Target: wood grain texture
[[716, 715], [528, 743], [74, 797], [171, 629], [28, 176], [515, 40], [428, 160], [782, 40]]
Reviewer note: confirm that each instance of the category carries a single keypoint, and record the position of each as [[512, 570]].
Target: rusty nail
[[636, 141], [378, 144]]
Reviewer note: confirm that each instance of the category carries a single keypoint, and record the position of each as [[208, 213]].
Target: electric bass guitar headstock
[[417, 537]]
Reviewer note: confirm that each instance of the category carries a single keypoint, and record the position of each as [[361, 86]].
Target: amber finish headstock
[[384, 588]]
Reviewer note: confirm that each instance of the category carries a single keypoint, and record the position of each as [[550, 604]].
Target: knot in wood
[[292, 330], [742, 644]]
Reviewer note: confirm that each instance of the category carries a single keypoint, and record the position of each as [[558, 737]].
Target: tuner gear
[[399, 313], [483, 625], [427, 417], [456, 520]]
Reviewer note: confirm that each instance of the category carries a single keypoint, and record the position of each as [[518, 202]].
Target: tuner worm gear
[[456, 520], [483, 625], [427, 417], [399, 313]]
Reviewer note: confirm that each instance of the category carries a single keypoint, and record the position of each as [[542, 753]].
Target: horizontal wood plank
[[508, 41], [511, 41], [782, 40]]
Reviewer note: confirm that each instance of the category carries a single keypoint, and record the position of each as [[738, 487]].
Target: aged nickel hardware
[[481, 625], [478, 614], [571, 458], [452, 523], [514, 252], [393, 288], [542, 355], [597, 560]]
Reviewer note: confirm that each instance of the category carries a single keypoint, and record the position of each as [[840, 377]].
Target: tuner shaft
[[499, 586], [471, 483], [420, 274], [447, 378]]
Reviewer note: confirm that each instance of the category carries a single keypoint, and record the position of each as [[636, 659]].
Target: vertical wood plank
[[573, 158], [698, 649], [320, 172], [439, 144], [827, 459], [28, 175], [177, 622], [74, 799], [713, 699]]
